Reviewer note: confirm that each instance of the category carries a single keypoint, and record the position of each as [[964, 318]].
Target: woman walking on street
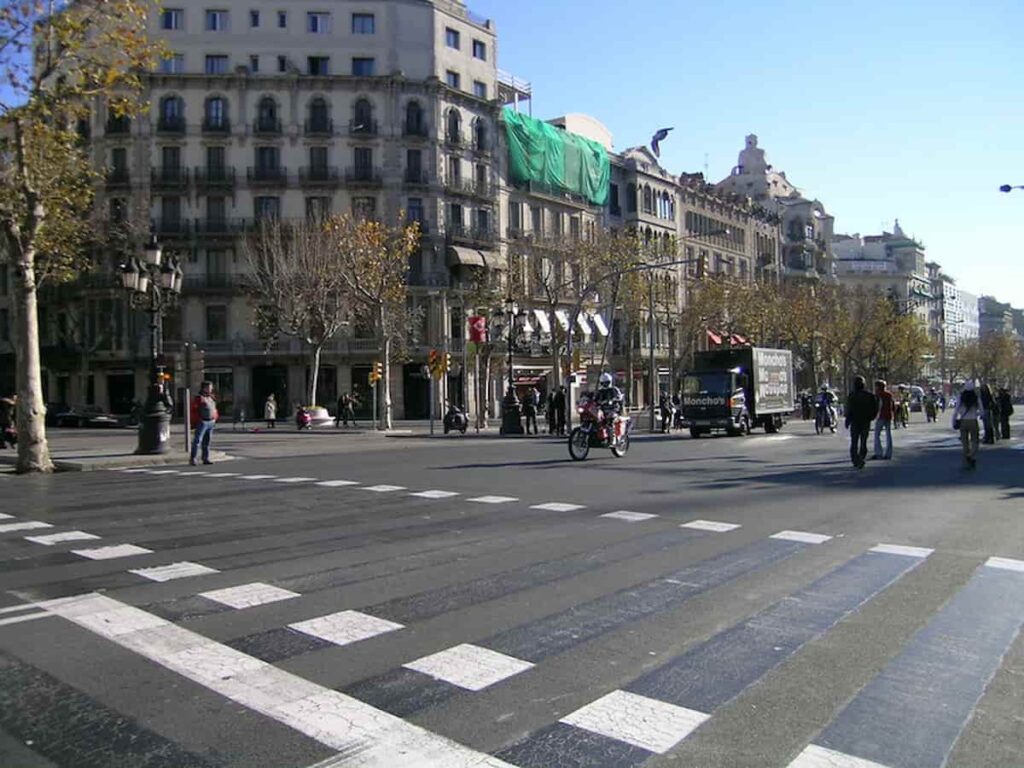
[[968, 412]]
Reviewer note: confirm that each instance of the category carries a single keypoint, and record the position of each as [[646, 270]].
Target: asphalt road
[[336, 599]]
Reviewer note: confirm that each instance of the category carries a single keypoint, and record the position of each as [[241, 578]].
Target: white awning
[[581, 321], [543, 321], [563, 318], [599, 323], [526, 327]]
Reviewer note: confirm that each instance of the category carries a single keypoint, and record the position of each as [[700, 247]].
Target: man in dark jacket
[[559, 405], [989, 418], [861, 409], [1005, 411]]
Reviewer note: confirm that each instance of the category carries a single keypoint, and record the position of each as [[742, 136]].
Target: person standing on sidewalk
[[530, 403], [560, 410], [270, 411], [1005, 411], [886, 413], [204, 417], [861, 409], [969, 411], [987, 408]]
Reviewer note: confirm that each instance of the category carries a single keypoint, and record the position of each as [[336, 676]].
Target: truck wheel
[[694, 433], [770, 426]]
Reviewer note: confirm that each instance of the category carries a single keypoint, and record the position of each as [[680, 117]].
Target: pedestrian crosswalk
[[583, 636]]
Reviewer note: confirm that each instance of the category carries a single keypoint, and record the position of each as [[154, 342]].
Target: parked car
[[87, 416], [55, 410]]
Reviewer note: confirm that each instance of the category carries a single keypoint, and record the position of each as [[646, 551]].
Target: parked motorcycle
[[455, 420], [303, 419], [598, 431], [824, 418]]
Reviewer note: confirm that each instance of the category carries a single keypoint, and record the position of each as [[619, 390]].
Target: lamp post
[[511, 410], [153, 287]]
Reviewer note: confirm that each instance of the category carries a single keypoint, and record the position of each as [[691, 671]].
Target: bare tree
[[373, 259], [297, 288]]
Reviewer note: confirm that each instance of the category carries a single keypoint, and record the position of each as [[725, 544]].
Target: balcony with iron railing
[[362, 128], [318, 127], [211, 282], [416, 177], [171, 228], [169, 177], [318, 176], [415, 130], [268, 176], [365, 175], [220, 226], [471, 187], [172, 124], [266, 126], [214, 177], [216, 125], [476, 235], [118, 126], [118, 178]]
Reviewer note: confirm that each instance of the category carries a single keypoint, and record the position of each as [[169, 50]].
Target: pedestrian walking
[[530, 403], [987, 405], [861, 409], [204, 417], [8, 430], [270, 411], [886, 413], [969, 411], [1005, 412], [560, 410]]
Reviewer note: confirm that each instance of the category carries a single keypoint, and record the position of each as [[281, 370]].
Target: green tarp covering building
[[543, 154]]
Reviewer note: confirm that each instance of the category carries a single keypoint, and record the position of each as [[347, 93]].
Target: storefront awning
[[599, 323], [465, 257], [543, 321], [563, 318], [581, 321], [714, 338]]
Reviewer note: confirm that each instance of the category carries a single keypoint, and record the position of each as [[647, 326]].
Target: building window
[[318, 208], [216, 65], [480, 50], [5, 325], [216, 21], [483, 220], [613, 200], [414, 210], [216, 322], [267, 208], [254, 64], [631, 198], [453, 79], [318, 65], [451, 38], [173, 64], [216, 160], [454, 171], [267, 158], [318, 115], [414, 124], [362, 117], [455, 218], [216, 113], [172, 112], [363, 24], [170, 213], [318, 159], [282, 64], [216, 210], [254, 19], [537, 220], [454, 132], [363, 160], [172, 18], [364, 207], [282, 19], [480, 136], [362, 67], [318, 23], [479, 89]]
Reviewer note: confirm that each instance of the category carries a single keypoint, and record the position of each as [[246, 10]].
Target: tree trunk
[[314, 375], [386, 347], [33, 451]]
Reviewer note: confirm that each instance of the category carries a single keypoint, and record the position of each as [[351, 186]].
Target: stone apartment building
[[375, 107]]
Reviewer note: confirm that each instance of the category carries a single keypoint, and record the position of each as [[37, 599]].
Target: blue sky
[[907, 109]]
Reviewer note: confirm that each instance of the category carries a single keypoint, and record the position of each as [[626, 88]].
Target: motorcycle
[[303, 419], [598, 431], [455, 420], [824, 418]]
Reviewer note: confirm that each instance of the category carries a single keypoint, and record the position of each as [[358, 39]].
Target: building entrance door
[[271, 379]]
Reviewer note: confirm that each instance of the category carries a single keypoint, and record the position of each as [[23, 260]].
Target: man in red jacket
[[886, 412], [204, 416]]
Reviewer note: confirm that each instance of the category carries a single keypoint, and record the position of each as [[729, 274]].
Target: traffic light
[[433, 362], [447, 362], [377, 373]]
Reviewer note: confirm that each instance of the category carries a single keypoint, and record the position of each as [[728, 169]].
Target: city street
[[350, 599]]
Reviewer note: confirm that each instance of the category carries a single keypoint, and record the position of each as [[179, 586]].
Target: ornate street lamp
[[511, 410], [153, 285]]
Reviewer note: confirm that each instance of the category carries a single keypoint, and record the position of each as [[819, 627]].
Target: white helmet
[[605, 380]]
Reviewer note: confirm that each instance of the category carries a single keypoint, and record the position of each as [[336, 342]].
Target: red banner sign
[[478, 329]]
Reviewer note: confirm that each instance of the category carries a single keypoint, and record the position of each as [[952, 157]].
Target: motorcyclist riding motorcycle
[[608, 396], [827, 401]]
